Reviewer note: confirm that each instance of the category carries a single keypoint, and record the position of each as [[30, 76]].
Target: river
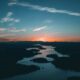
[[47, 71]]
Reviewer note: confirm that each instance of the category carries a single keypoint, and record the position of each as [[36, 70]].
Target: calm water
[[47, 71]]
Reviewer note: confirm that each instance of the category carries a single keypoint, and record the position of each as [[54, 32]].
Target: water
[[47, 71]]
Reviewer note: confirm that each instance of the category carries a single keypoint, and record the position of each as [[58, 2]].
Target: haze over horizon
[[40, 20]]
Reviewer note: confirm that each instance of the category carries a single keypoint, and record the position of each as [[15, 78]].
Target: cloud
[[47, 9], [16, 20], [9, 18], [48, 21], [13, 21], [12, 2], [2, 29], [19, 30], [3, 39], [12, 29], [6, 35], [16, 30], [40, 28], [9, 14], [11, 24], [5, 19]]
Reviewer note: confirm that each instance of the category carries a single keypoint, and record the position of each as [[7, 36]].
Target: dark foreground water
[[39, 61]]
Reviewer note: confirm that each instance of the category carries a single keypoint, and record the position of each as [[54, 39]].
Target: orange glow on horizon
[[49, 38]]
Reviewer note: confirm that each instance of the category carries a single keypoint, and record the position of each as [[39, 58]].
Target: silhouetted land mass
[[52, 56], [11, 70], [40, 60], [73, 78], [11, 52], [71, 49], [68, 48]]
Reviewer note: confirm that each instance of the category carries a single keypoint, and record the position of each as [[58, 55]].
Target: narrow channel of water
[[47, 71]]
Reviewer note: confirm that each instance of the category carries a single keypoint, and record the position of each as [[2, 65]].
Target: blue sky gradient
[[53, 18]]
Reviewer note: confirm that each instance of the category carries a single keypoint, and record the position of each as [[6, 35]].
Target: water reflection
[[47, 71]]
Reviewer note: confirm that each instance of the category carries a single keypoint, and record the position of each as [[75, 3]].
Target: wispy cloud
[[48, 21], [17, 20], [39, 28], [7, 35], [13, 29], [2, 29], [9, 14], [17, 30], [9, 18], [47, 9]]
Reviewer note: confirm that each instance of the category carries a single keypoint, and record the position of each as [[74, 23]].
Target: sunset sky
[[40, 20]]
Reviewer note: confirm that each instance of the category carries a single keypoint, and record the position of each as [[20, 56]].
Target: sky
[[40, 20]]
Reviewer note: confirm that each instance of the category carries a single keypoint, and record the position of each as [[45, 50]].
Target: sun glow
[[41, 39], [47, 38]]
